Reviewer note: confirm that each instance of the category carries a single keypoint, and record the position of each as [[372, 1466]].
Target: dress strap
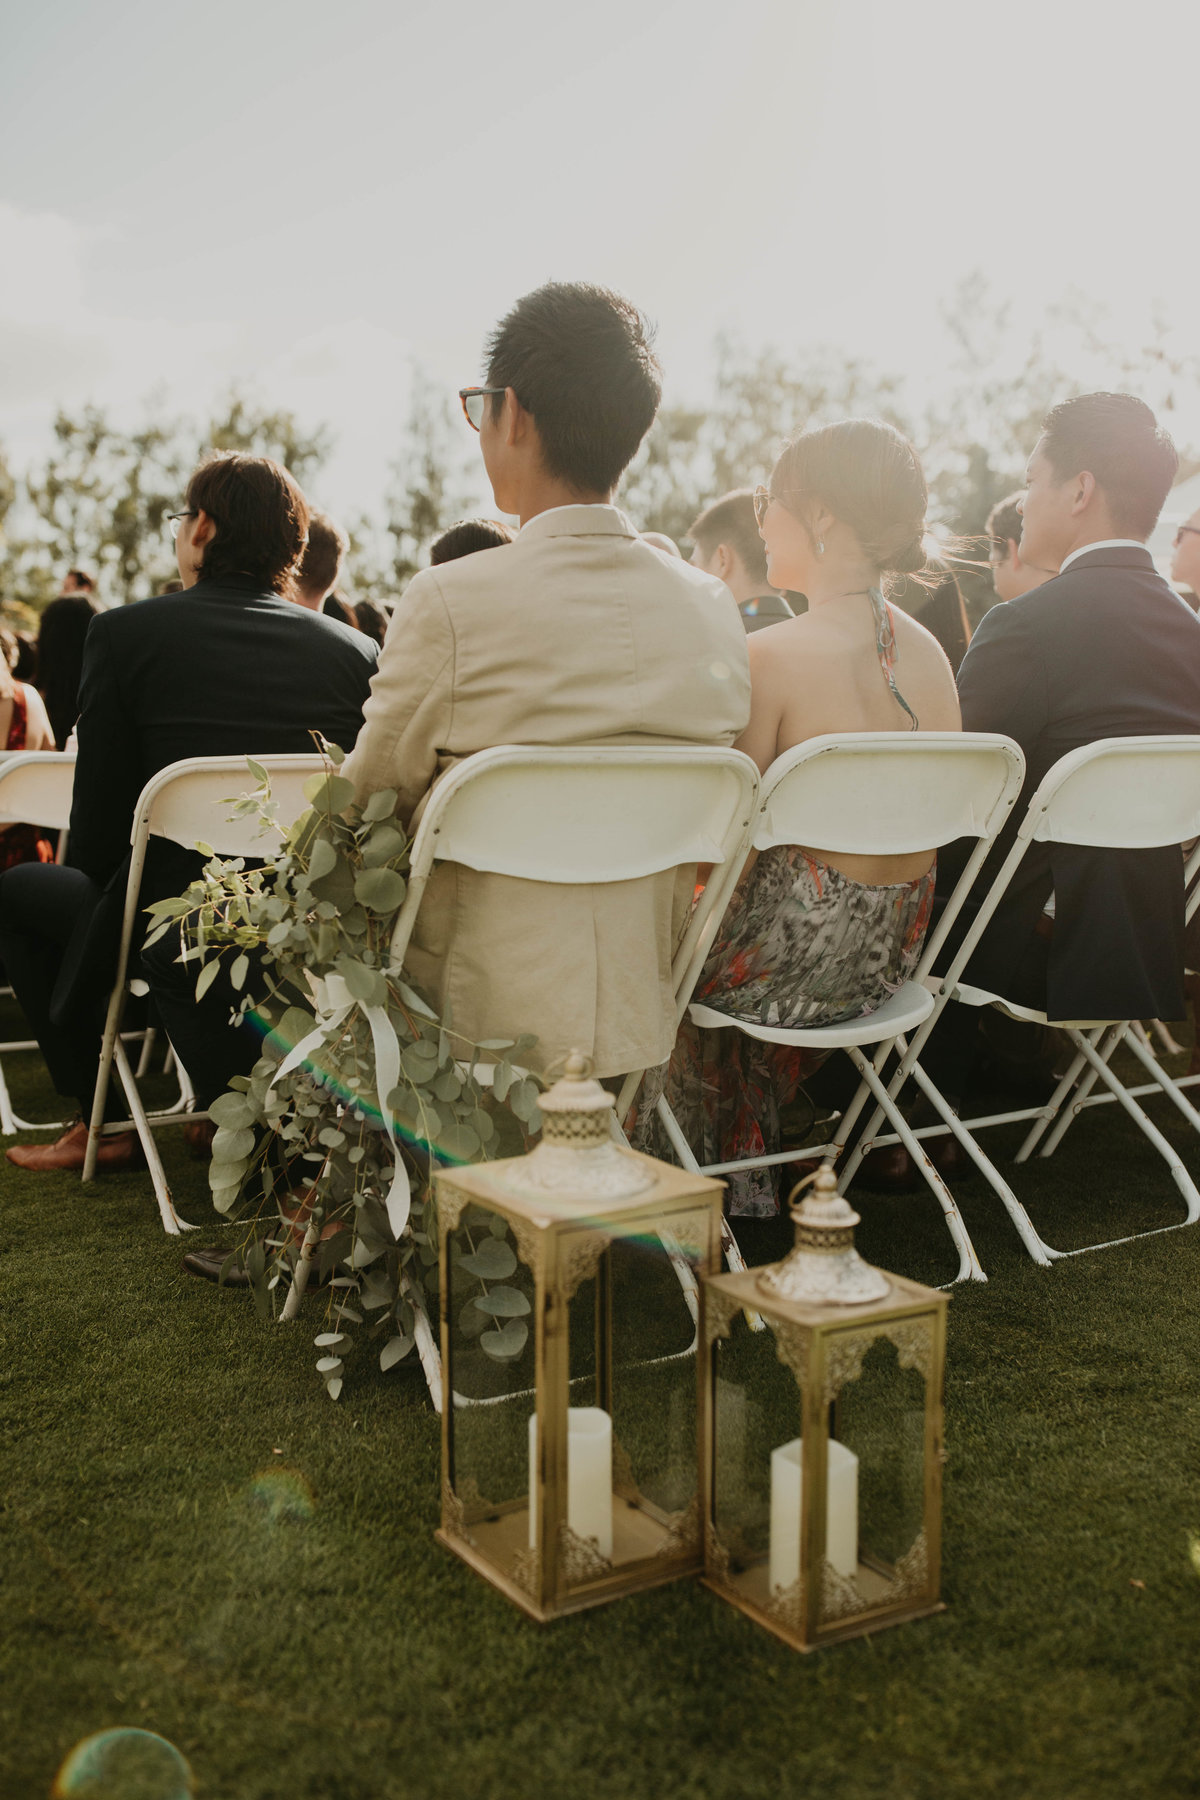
[[18, 724], [885, 645]]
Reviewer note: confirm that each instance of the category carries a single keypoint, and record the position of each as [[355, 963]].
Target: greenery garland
[[324, 1154]]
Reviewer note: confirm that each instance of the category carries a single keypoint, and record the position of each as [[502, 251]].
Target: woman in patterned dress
[[813, 937]]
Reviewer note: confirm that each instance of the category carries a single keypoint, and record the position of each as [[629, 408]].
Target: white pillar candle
[[589, 1476], [841, 1512]]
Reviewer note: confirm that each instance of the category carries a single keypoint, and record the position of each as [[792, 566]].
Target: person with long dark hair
[[59, 665]]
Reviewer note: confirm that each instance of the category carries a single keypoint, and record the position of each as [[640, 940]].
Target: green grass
[[333, 1650]]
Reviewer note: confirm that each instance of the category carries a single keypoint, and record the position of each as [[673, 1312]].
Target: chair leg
[[148, 1037], [172, 1223], [1105, 1041], [1151, 1064], [969, 1266], [112, 1028], [1182, 1179], [8, 1122], [1026, 1231]]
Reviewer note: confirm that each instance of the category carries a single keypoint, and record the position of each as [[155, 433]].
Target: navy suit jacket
[[1106, 649]]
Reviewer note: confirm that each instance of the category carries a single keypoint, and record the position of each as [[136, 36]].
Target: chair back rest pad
[[189, 802], [887, 793], [1134, 793], [35, 788], [587, 815]]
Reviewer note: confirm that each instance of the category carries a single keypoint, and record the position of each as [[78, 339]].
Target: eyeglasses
[[173, 520], [1183, 531], [762, 499], [472, 403]]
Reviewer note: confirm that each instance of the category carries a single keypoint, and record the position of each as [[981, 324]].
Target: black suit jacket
[[1106, 649], [221, 669]]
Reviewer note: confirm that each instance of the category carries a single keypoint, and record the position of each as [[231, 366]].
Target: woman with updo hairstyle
[[812, 937]]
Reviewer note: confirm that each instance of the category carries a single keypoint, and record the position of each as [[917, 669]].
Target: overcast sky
[[307, 197]]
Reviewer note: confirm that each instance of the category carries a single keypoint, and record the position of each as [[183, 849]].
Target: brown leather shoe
[[893, 1171], [121, 1151], [198, 1135], [209, 1262]]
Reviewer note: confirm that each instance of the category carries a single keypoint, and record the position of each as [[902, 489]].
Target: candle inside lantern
[[841, 1512], [589, 1476]]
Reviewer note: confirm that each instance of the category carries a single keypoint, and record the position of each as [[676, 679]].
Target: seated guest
[[1104, 649], [1185, 563], [321, 564], [229, 667], [61, 633], [25, 661], [810, 936], [935, 598], [336, 606], [77, 581], [1012, 576], [23, 726], [468, 536], [575, 633], [726, 544]]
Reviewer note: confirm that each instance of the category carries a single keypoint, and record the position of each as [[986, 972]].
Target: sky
[[313, 199]]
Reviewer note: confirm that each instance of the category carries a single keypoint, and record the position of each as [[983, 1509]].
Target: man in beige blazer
[[578, 632]]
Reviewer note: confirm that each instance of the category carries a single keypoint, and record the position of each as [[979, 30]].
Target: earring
[[820, 546]]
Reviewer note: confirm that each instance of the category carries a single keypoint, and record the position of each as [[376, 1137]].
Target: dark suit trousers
[[40, 906]]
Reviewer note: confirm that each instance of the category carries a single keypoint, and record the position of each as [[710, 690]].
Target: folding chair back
[[1132, 793], [35, 788], [887, 793], [577, 816], [188, 802]]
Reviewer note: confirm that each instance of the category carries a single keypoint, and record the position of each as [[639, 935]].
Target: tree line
[[100, 497]]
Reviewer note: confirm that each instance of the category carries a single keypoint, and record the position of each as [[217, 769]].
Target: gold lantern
[[823, 1433], [569, 1323]]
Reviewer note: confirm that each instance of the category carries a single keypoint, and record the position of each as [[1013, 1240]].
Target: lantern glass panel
[[490, 1363], [879, 1420]]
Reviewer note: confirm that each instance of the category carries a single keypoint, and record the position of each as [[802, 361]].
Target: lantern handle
[[829, 1184]]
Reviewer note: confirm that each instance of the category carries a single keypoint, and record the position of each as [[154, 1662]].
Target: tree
[[433, 484]]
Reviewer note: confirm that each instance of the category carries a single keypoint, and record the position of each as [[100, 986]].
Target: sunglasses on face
[[762, 499], [1184, 531], [472, 403]]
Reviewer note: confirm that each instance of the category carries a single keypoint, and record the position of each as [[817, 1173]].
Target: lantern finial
[[824, 1269], [579, 1155]]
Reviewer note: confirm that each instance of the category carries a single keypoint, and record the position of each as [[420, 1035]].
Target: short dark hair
[[322, 560], [730, 520], [371, 619], [1004, 521], [1118, 440], [579, 358], [260, 515], [468, 536], [82, 579]]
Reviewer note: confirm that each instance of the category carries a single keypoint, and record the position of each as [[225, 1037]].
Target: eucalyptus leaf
[[384, 845], [381, 805], [508, 1343], [232, 1146], [239, 968], [379, 890], [493, 1260], [322, 859], [233, 1110], [206, 977], [394, 1350], [503, 1303]]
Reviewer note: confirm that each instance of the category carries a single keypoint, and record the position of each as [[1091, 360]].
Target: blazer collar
[[579, 521], [1110, 555]]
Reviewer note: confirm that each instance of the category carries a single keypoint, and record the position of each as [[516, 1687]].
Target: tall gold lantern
[[824, 1436], [570, 1466]]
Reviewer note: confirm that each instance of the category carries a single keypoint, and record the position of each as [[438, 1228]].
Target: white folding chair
[[589, 815], [1131, 793], [188, 802], [876, 794]]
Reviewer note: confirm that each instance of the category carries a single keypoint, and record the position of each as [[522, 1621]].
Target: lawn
[[199, 1543]]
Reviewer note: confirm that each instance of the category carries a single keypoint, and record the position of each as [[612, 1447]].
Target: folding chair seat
[[188, 802], [1118, 793], [878, 793]]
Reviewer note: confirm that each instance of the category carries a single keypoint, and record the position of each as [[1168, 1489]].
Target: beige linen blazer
[[576, 633]]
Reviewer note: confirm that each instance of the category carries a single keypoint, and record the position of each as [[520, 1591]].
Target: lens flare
[[124, 1764], [282, 1494]]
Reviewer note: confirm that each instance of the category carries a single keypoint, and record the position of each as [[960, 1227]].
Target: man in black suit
[[1104, 649], [229, 666]]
